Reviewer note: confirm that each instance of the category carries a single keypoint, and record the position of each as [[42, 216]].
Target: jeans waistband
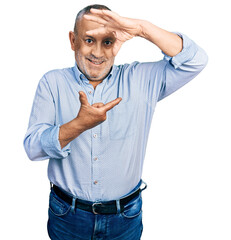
[[104, 207]]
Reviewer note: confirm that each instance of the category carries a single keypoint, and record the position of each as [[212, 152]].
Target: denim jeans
[[66, 224]]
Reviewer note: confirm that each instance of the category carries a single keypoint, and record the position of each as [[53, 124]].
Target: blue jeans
[[66, 224]]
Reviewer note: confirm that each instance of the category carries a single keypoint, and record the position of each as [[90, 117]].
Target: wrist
[[142, 26], [70, 130], [78, 125]]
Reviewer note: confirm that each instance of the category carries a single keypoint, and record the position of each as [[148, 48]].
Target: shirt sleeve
[[41, 140], [183, 67]]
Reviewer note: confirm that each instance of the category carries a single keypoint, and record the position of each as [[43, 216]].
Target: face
[[93, 54]]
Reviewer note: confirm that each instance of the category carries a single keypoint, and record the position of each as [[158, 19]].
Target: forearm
[[69, 131], [170, 43]]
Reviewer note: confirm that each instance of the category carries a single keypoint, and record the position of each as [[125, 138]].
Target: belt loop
[[51, 185], [73, 205], [145, 186], [118, 206]]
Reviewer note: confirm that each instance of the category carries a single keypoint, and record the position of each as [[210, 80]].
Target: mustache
[[98, 59]]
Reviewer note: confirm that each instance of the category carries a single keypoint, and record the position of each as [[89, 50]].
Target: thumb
[[83, 98]]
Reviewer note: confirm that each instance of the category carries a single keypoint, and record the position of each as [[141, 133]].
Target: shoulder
[[57, 74], [126, 66], [55, 79], [141, 67]]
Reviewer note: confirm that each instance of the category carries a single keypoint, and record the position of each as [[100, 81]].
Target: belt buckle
[[93, 207]]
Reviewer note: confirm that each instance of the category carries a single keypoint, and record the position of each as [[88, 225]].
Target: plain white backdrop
[[187, 165]]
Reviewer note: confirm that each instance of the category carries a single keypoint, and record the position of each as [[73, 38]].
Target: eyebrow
[[108, 38], [87, 36]]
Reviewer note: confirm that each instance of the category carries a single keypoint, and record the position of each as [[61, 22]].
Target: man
[[92, 122]]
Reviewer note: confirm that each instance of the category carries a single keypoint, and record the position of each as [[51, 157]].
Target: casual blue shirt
[[105, 162]]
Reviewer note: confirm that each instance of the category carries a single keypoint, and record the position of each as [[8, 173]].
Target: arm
[[183, 58], [44, 139], [41, 140], [170, 43], [88, 117]]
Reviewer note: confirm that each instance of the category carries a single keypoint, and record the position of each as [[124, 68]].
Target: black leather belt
[[109, 207]]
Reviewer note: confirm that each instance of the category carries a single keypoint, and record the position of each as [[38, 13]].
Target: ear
[[72, 40]]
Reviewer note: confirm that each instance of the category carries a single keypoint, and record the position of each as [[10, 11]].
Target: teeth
[[96, 63]]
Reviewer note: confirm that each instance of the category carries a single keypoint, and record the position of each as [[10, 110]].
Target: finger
[[112, 104], [83, 98], [98, 31], [103, 31], [97, 105], [104, 12], [94, 18]]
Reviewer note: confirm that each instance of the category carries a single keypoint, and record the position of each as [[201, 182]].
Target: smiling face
[[93, 54]]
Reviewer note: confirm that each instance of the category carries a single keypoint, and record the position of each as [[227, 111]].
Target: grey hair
[[86, 10]]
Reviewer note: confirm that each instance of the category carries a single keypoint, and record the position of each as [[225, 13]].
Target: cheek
[[81, 55], [111, 59], [81, 49], [109, 52], [109, 55]]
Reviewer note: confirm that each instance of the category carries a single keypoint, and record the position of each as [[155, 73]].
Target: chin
[[97, 77]]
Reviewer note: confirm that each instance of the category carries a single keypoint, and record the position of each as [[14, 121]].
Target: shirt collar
[[80, 77]]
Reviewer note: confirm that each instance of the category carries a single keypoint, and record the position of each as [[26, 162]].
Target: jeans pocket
[[57, 206], [133, 209]]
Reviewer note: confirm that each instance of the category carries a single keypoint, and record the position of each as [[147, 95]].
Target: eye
[[108, 43], [88, 41]]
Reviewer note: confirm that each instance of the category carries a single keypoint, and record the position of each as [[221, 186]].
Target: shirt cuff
[[187, 53], [51, 145]]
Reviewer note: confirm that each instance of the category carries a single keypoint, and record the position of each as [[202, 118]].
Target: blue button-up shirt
[[105, 162]]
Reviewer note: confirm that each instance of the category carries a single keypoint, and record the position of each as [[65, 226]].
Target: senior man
[[92, 122]]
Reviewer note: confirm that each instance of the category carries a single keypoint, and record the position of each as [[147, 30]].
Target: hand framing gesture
[[122, 28]]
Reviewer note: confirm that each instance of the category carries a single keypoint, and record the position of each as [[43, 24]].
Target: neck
[[95, 83]]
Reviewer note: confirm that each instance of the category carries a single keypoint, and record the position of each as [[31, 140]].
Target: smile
[[95, 62]]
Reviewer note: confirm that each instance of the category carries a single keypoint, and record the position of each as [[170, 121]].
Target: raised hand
[[122, 28], [90, 116]]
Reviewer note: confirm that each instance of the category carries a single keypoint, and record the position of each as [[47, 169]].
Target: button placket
[[95, 163], [96, 140]]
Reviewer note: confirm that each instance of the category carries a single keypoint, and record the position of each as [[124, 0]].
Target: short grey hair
[[86, 10]]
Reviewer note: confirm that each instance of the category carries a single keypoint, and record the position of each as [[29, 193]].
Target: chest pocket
[[122, 120]]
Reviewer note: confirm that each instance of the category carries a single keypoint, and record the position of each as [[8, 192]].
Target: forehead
[[84, 25]]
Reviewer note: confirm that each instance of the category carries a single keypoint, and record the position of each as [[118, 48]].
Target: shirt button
[[95, 158], [90, 92], [95, 135], [95, 182]]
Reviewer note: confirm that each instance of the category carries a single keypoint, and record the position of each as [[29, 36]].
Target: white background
[[187, 165]]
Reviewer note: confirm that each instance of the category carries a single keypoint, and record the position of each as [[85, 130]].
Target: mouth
[[95, 62]]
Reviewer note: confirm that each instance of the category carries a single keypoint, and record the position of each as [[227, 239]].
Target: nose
[[97, 50]]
